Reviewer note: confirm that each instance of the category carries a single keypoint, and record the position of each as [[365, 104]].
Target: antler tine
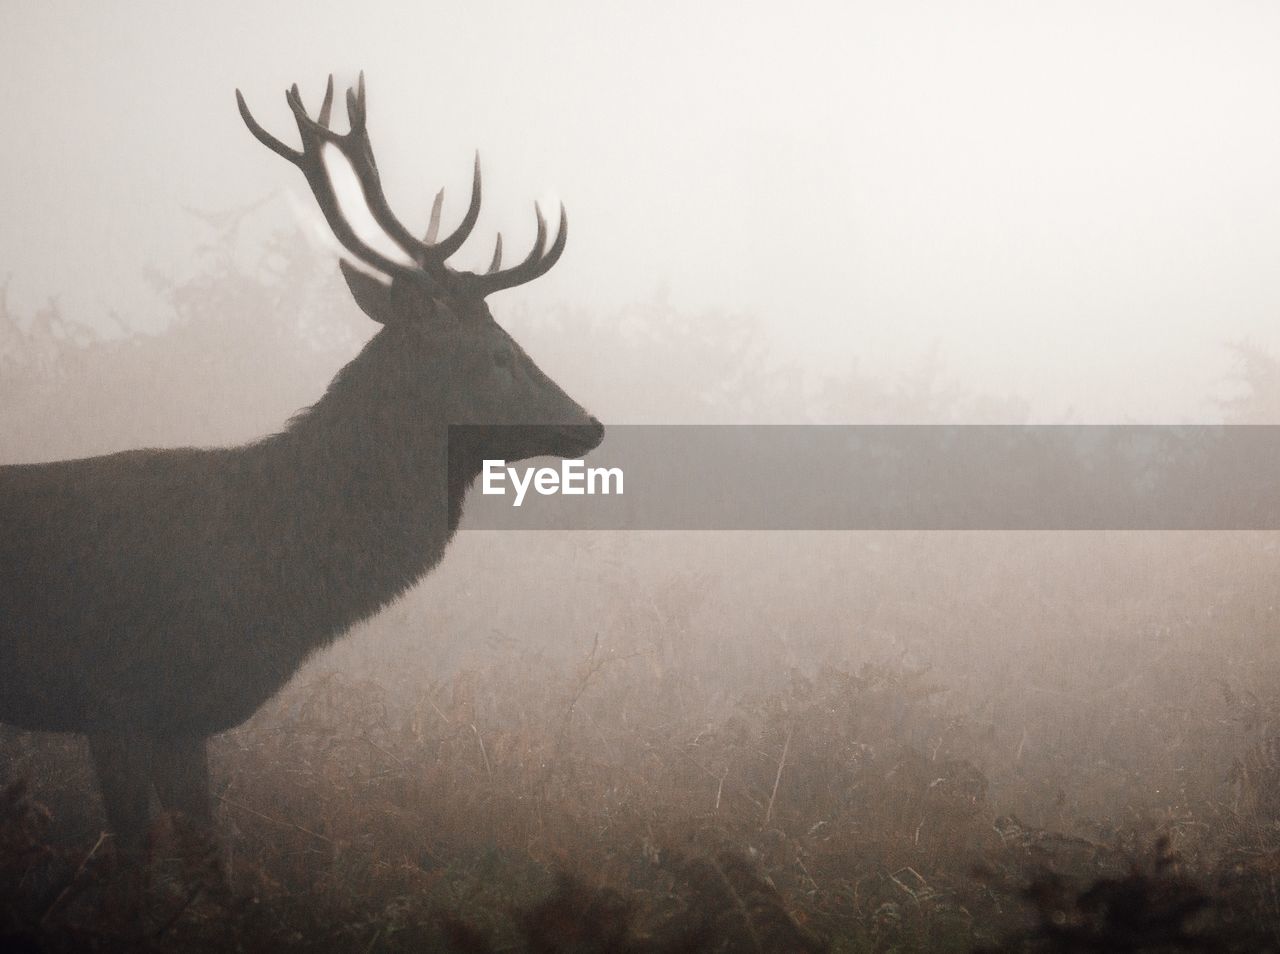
[[557, 247], [355, 111], [310, 160], [535, 253], [327, 105], [308, 128], [496, 263], [535, 263], [446, 247], [433, 227], [264, 137]]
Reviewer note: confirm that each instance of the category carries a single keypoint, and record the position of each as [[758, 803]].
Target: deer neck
[[366, 473], [363, 501]]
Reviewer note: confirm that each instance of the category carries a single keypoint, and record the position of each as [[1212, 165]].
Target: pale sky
[[1077, 202]]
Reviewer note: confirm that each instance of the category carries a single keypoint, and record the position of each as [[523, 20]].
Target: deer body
[[152, 598], [179, 589]]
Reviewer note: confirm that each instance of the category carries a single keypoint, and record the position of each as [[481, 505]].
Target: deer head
[[442, 359]]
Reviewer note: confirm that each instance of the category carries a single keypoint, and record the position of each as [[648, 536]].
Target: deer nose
[[596, 431]]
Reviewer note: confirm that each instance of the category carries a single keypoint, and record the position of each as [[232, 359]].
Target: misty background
[[1074, 203], [853, 213]]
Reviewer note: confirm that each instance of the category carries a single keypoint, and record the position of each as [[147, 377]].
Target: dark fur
[[153, 597]]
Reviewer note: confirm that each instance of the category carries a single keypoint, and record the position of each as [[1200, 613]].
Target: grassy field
[[617, 805]]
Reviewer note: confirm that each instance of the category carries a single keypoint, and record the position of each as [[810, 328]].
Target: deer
[[152, 598]]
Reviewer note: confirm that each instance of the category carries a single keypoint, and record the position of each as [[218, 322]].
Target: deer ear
[[373, 296]]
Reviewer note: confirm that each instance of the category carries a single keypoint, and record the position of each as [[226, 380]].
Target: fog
[[1053, 197], [668, 741]]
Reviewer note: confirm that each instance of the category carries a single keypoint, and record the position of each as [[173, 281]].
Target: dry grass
[[606, 807]]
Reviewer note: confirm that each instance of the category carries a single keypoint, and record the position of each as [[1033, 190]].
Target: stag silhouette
[[152, 598]]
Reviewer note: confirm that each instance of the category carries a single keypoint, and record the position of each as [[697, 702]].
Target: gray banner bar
[[897, 478]]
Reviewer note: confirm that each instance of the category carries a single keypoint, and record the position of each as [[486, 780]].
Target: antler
[[536, 263], [310, 160], [356, 148]]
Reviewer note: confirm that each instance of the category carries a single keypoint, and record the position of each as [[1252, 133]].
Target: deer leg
[[123, 763], [180, 771]]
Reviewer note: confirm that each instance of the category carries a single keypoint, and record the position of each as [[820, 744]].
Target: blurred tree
[[1258, 378]]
